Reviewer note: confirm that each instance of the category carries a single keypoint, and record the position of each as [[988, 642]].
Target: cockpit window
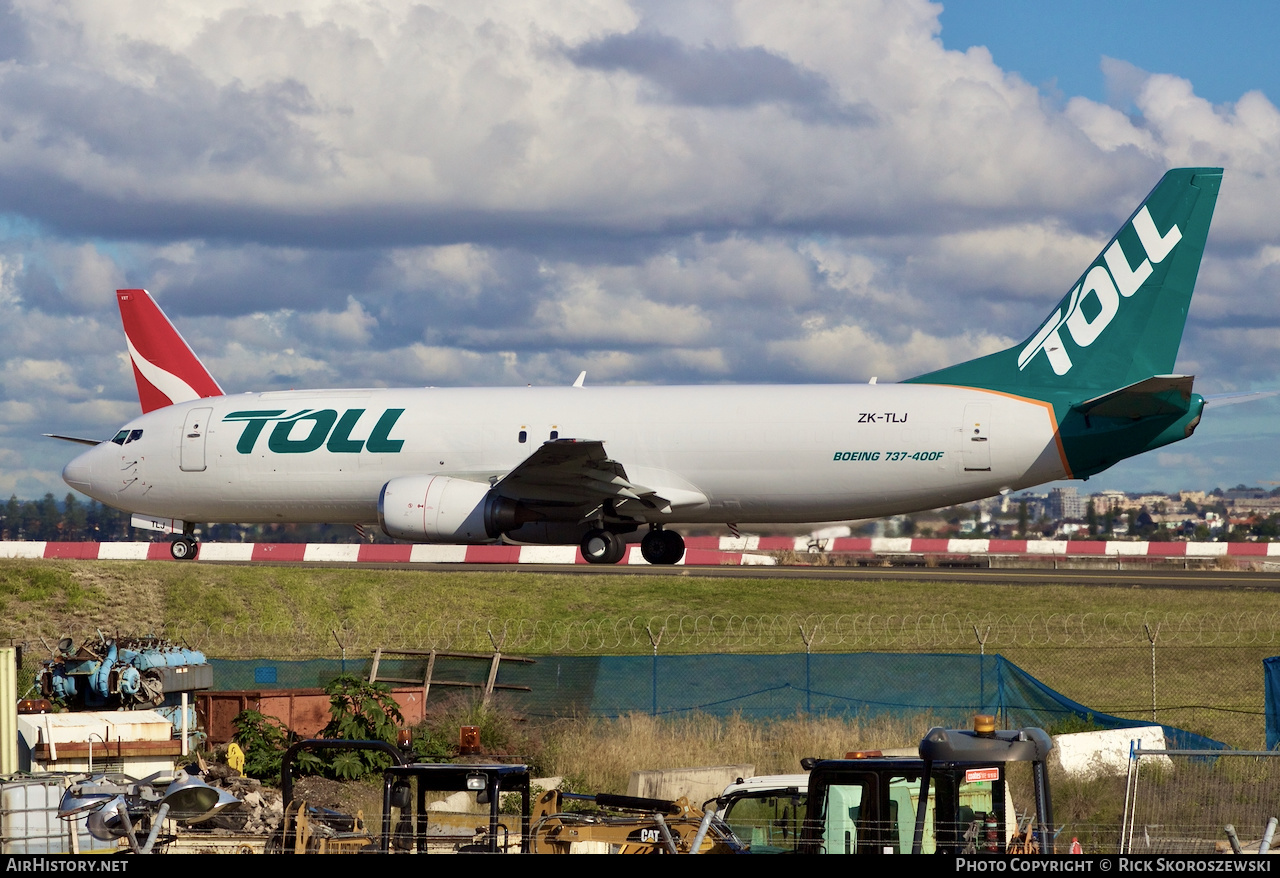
[[133, 436], [120, 437]]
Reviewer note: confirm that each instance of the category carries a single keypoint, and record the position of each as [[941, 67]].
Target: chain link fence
[[728, 632], [1182, 801], [1197, 672]]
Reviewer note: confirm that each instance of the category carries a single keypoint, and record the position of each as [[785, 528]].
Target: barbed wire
[[729, 632], [1101, 659]]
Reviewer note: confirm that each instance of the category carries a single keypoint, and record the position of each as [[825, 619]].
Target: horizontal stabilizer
[[1221, 399], [1157, 395]]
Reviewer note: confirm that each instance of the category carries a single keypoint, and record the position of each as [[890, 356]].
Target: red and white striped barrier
[[922, 546], [725, 551], [378, 553]]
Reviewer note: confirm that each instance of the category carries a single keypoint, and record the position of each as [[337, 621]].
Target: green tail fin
[[1122, 321]]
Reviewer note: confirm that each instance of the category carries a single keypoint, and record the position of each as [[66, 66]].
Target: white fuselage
[[755, 453]]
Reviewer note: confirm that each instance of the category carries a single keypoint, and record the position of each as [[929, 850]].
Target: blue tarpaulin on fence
[[1271, 680], [950, 687]]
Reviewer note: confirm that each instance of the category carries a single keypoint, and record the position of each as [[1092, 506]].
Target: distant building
[[1153, 501], [1065, 503], [1261, 505], [1107, 499]]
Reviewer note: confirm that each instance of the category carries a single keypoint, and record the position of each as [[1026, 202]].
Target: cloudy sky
[[478, 193]]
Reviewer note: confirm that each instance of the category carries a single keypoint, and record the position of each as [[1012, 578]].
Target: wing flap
[[578, 472]]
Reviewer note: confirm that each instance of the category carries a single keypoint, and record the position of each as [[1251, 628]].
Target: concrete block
[[699, 784], [1104, 753]]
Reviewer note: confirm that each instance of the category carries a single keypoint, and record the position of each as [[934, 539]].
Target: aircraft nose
[[79, 473]]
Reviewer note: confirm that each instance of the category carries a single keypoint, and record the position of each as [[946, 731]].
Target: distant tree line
[[72, 520], [75, 520]]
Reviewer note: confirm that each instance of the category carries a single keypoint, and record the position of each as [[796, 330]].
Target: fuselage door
[[975, 444], [194, 429]]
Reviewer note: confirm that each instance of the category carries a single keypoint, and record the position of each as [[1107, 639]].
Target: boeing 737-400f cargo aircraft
[[597, 466]]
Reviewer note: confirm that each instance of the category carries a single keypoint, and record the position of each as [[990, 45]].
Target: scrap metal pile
[[127, 673]]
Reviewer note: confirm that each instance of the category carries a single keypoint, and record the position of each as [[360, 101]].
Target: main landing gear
[[662, 546], [659, 546], [601, 546]]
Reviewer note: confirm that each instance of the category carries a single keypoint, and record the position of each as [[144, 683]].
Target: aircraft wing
[[578, 472], [77, 439]]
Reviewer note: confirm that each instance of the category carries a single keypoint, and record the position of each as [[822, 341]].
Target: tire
[[602, 547], [653, 547], [618, 551], [182, 549], [673, 545], [662, 547]]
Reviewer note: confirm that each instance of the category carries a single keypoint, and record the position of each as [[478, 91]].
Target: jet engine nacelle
[[435, 509]]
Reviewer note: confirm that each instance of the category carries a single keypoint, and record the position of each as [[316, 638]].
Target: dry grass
[[598, 755], [75, 598]]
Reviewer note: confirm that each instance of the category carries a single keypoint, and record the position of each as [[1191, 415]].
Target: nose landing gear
[[183, 549]]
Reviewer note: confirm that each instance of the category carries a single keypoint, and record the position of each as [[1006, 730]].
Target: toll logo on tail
[[1121, 322], [1110, 281], [165, 368]]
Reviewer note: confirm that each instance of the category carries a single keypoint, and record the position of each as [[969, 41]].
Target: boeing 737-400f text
[[598, 466]]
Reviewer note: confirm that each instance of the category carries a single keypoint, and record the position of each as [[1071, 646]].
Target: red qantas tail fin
[[165, 367]]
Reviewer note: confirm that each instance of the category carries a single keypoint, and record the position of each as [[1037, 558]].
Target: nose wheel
[[662, 547], [183, 549], [601, 546]]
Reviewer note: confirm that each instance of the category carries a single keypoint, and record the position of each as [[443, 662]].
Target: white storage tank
[[29, 821]]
